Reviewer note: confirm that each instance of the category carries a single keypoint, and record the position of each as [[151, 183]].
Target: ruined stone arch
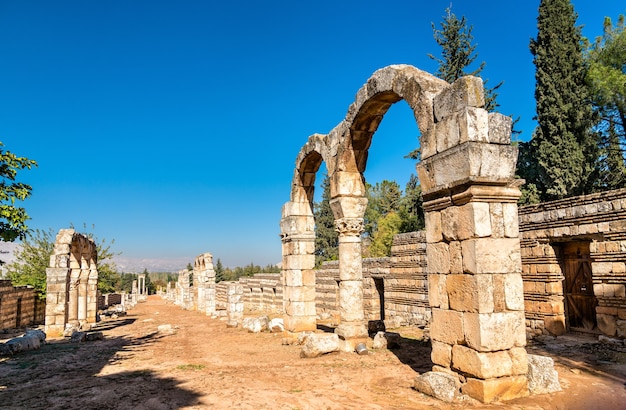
[[71, 283], [473, 254]]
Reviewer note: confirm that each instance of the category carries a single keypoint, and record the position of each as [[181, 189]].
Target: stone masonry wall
[[401, 278], [599, 220], [19, 306]]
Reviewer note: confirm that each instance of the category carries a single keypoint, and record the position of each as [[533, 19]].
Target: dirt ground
[[204, 364]]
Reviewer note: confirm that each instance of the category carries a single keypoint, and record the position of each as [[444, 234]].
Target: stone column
[[92, 293], [352, 329], [72, 302], [298, 276], [473, 251], [234, 305], [134, 292]]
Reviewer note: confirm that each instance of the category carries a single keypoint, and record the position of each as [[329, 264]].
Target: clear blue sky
[[173, 126]]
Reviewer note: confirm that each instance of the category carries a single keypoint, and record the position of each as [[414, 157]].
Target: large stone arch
[[71, 283], [473, 254]]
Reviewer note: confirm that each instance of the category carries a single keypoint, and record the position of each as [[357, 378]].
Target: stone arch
[[473, 255], [71, 283]]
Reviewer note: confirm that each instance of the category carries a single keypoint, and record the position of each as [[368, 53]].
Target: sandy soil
[[203, 364]]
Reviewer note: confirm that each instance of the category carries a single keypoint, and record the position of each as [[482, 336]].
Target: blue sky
[[173, 127]]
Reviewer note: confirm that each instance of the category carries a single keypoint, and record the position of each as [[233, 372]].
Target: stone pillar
[[473, 250], [234, 305], [298, 263], [352, 329], [92, 292], [134, 292], [205, 274]]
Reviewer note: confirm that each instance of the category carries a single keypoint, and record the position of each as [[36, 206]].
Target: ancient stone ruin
[[72, 284], [19, 306], [472, 239]]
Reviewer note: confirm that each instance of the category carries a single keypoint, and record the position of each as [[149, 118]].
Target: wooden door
[[580, 302]]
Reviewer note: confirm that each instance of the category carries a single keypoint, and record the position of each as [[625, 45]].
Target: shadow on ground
[[63, 375]]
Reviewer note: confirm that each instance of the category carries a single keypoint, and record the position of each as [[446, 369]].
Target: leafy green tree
[[13, 218], [31, 261], [382, 198], [388, 226], [606, 79], [563, 154], [458, 53], [326, 237]]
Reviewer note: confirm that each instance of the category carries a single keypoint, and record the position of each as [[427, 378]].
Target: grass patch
[[193, 367]]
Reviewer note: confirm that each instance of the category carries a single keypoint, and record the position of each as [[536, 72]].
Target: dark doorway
[[380, 288], [580, 302]]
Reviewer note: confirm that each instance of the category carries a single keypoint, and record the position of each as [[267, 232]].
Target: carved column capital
[[349, 226]]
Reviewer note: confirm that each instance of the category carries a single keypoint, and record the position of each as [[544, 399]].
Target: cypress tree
[[563, 150], [326, 237], [458, 53]]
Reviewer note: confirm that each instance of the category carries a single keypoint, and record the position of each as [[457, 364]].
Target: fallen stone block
[[78, 337], [276, 325], [40, 334], [542, 378], [91, 336], [442, 386], [386, 340], [317, 344], [166, 329], [255, 324]]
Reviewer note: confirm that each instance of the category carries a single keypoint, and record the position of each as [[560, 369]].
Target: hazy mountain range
[[124, 264]]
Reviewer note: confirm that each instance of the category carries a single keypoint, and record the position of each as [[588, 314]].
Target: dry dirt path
[[203, 364]]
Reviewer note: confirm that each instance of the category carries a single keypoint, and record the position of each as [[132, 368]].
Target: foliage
[[606, 80], [562, 157], [458, 53], [387, 226], [382, 198], [29, 267], [219, 271], [248, 270], [13, 218], [31, 261], [326, 237]]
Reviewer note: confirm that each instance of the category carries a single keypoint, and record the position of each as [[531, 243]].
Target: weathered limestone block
[[490, 332], [434, 233], [500, 389], [491, 255], [542, 377], [255, 324], [474, 220], [500, 127], [386, 340], [481, 365], [276, 325], [440, 385], [438, 256], [464, 92], [607, 324], [438, 294], [447, 326], [470, 293], [317, 344], [441, 354]]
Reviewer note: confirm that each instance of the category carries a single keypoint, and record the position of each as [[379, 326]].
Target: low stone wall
[[263, 292], [587, 233], [19, 306], [395, 289]]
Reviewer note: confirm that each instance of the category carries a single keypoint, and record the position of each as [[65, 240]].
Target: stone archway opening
[[473, 251]]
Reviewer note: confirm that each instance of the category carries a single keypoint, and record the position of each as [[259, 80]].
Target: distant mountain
[[127, 264], [7, 251]]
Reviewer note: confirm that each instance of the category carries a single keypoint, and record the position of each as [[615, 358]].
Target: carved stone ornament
[[350, 226]]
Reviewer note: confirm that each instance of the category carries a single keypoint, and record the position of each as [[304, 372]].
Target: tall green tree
[[387, 226], [219, 271], [411, 209], [382, 198], [31, 261], [562, 157], [606, 79], [13, 218], [326, 237], [458, 53]]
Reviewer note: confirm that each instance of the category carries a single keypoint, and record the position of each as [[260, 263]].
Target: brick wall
[[19, 306]]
